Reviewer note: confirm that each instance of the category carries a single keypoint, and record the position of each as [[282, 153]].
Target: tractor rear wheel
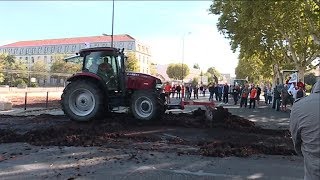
[[144, 105], [82, 101]]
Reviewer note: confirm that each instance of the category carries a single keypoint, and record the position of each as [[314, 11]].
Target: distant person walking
[[226, 93], [244, 96], [235, 93], [211, 91], [253, 96], [167, 90], [178, 89]]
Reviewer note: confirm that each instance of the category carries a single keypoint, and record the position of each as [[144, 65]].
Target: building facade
[[44, 50]]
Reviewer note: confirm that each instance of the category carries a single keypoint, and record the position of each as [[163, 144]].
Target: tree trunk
[[276, 75], [301, 73]]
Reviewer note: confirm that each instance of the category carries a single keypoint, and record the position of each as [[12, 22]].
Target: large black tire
[[145, 106], [82, 101]]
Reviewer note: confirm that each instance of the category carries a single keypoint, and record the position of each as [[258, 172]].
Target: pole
[[112, 23], [182, 59], [47, 99], [25, 100]]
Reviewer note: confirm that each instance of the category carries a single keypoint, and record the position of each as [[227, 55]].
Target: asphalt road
[[23, 161], [107, 163]]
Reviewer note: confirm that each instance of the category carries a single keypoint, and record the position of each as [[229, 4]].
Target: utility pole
[[112, 23]]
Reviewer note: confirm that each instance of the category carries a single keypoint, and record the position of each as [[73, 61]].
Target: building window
[[51, 59], [26, 58], [73, 48], [39, 50], [32, 59], [20, 58], [33, 50], [38, 58], [46, 50], [66, 49], [52, 49], [59, 48], [21, 51]]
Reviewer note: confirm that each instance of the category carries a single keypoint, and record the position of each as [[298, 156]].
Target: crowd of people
[[178, 91], [246, 95]]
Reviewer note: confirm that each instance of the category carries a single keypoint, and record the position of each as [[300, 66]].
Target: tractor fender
[[92, 78], [84, 75]]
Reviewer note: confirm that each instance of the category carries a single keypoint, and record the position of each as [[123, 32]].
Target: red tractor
[[104, 84]]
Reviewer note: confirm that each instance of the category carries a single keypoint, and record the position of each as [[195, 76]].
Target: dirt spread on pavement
[[225, 135]]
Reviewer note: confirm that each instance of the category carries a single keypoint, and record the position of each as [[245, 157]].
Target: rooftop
[[75, 40]]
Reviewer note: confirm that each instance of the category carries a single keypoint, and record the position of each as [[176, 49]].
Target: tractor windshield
[[100, 61]]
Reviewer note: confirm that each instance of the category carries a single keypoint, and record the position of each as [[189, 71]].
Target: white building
[[44, 50]]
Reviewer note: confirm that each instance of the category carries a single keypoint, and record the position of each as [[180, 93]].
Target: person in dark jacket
[[220, 92], [178, 89], [225, 93], [300, 93], [235, 93], [211, 91], [216, 91]]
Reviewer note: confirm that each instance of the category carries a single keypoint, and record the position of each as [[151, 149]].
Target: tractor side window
[[119, 62]]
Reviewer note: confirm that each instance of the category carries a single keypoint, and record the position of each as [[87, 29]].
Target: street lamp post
[[112, 23]]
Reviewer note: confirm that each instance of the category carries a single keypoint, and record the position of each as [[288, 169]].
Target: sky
[[163, 25]]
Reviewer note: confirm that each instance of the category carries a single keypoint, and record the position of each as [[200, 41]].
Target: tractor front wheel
[[82, 101], [144, 105]]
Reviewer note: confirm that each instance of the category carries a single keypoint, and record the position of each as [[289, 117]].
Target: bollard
[[47, 99], [25, 101]]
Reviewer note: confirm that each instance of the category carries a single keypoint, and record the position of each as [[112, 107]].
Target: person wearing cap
[[305, 131]]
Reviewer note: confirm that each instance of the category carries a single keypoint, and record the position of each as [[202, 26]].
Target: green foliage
[[196, 66], [178, 71], [34, 84], [195, 81], [19, 82], [308, 88], [39, 66], [213, 71], [11, 69], [279, 33], [60, 66], [132, 63], [153, 69]]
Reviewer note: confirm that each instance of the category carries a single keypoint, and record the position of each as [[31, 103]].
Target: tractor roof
[[99, 49]]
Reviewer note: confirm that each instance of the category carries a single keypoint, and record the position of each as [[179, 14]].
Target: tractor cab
[[107, 64]]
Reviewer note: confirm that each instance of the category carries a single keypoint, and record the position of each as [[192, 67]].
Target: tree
[[177, 71], [195, 81], [196, 66], [211, 73], [39, 69], [11, 69], [279, 32], [58, 66], [153, 69], [132, 62]]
